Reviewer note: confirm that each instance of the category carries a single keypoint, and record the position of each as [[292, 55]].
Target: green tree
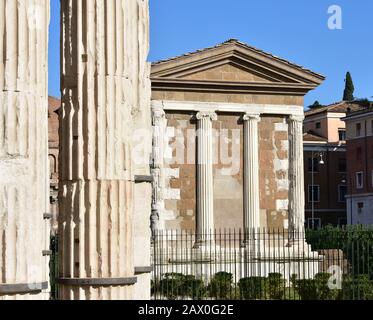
[[315, 105], [348, 94]]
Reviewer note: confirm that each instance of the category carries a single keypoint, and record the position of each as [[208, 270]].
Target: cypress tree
[[348, 94]]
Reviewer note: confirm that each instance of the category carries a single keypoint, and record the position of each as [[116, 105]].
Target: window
[[359, 180], [358, 129], [314, 163], [360, 207], [372, 178], [342, 165], [318, 125], [342, 192], [315, 195], [358, 153], [314, 223], [342, 134]]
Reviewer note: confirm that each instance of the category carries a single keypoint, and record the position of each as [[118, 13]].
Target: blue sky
[[296, 30]]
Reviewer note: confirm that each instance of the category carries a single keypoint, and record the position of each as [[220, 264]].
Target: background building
[[360, 166], [326, 175]]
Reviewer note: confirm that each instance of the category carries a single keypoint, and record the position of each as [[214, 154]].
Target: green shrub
[[171, 286], [315, 289], [276, 286], [360, 288], [253, 288], [221, 286], [355, 241], [175, 285], [193, 288]]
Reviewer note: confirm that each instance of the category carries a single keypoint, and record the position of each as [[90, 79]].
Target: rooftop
[[340, 107], [311, 136]]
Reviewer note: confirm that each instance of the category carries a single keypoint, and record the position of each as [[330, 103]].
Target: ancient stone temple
[[105, 194], [24, 178], [228, 156], [228, 139]]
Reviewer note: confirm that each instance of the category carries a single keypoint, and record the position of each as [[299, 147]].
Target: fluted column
[[296, 174], [159, 127], [205, 184], [251, 172], [24, 178], [105, 99]]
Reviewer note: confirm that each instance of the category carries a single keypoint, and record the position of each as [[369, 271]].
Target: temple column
[[296, 174], [159, 131], [104, 116], [24, 178], [251, 173], [205, 186]]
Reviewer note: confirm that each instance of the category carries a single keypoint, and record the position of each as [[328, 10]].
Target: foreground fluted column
[[296, 174], [105, 98], [24, 179], [251, 173], [205, 186]]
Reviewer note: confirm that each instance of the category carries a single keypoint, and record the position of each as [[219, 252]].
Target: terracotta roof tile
[[310, 136], [339, 107]]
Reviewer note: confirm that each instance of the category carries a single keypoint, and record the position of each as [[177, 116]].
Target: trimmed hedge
[[221, 286], [176, 285]]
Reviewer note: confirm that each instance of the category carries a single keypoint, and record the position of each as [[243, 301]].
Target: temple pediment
[[233, 66]]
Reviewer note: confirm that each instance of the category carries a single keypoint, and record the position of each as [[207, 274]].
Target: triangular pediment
[[234, 62], [227, 71]]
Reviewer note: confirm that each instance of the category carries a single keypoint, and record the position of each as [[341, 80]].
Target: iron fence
[[334, 264]]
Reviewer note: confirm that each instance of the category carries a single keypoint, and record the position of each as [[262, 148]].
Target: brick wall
[[180, 178], [273, 171]]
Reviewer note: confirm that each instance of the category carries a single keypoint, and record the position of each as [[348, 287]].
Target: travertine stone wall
[[228, 171], [24, 180], [274, 171], [105, 104], [179, 172]]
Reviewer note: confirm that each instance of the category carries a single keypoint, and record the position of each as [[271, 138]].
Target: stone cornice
[[196, 106], [172, 84]]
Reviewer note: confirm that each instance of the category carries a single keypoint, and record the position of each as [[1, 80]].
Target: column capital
[[251, 116], [159, 113], [207, 114], [296, 118]]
